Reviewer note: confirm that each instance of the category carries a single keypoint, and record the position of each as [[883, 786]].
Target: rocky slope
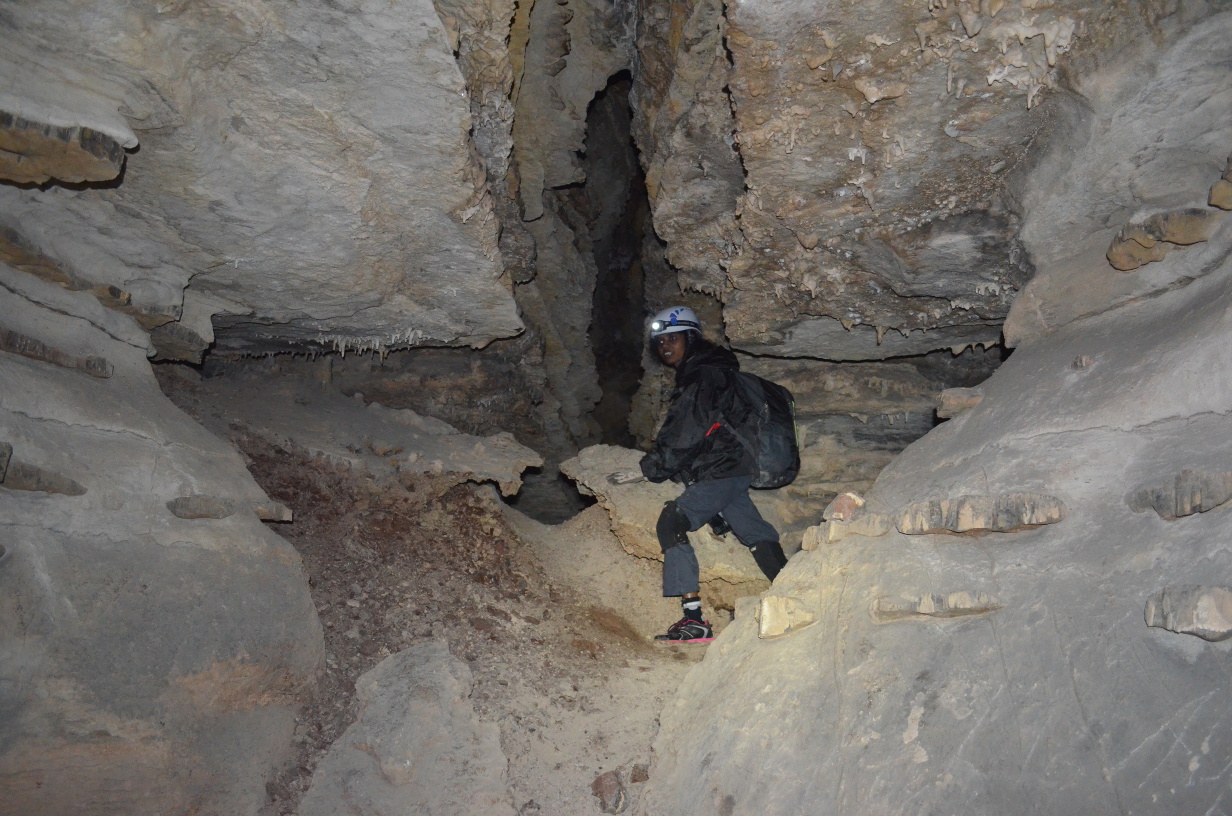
[[849, 194], [1029, 614]]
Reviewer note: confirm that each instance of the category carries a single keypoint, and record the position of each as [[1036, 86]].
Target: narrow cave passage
[[619, 217]]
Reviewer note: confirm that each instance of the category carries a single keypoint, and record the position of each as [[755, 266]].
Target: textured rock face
[[853, 187], [417, 746], [274, 182], [930, 649], [1073, 666], [156, 638]]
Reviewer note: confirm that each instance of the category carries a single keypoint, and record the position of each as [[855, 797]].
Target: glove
[[621, 477]]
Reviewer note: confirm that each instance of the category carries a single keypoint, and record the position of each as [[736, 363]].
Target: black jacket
[[695, 443]]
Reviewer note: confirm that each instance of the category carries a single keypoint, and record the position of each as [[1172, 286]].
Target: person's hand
[[621, 477]]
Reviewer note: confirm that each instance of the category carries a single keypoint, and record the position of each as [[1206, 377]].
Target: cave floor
[[554, 621]]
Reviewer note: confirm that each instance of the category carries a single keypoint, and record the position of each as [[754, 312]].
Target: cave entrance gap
[[619, 222]]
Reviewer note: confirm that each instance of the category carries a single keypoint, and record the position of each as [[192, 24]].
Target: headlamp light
[[656, 326]]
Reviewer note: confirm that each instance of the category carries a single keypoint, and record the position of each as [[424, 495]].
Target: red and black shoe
[[687, 630]]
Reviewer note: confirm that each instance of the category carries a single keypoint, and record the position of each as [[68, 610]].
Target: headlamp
[[656, 326]]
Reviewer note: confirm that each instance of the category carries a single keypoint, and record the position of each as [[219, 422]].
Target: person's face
[[671, 347]]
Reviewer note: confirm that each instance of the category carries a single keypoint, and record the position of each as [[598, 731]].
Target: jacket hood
[[706, 356]]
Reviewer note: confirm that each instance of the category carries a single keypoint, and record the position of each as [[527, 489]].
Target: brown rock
[[1191, 491], [873, 525], [973, 514], [21, 476], [1139, 244], [640, 773], [1204, 612], [16, 343], [1221, 195], [778, 616], [953, 605], [1126, 255], [202, 507], [956, 400], [845, 507], [272, 511], [34, 152], [611, 792]]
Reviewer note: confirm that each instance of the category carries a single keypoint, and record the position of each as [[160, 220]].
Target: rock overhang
[[312, 166]]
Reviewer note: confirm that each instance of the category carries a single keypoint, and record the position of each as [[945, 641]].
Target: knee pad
[[673, 527]]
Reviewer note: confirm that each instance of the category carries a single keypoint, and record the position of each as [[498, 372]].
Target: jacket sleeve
[[689, 419]]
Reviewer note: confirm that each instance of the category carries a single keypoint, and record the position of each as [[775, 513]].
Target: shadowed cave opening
[[616, 199]]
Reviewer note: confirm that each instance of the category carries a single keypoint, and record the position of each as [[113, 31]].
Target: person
[[697, 447]]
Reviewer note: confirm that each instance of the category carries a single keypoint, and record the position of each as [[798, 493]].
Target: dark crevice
[[619, 217]]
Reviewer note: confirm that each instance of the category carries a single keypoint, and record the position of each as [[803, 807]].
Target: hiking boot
[[687, 630]]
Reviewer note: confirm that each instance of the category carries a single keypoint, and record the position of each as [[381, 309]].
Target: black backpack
[[767, 430]]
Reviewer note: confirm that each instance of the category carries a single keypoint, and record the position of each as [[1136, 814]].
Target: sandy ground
[[554, 621]]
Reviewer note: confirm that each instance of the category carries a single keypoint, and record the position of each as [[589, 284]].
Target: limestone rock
[[1150, 240], [33, 152], [778, 615], [888, 609], [144, 653], [416, 747], [290, 172], [1191, 491], [1143, 120], [853, 418], [1202, 611], [974, 514], [956, 400], [1067, 662], [727, 569], [303, 416]]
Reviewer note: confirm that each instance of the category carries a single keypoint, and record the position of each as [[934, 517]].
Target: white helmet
[[675, 319]]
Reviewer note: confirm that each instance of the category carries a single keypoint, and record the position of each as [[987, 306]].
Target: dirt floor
[[554, 622]]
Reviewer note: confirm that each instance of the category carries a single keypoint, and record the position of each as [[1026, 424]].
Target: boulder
[[416, 746], [727, 569]]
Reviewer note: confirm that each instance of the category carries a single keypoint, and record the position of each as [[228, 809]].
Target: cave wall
[[1030, 612], [858, 200], [156, 639]]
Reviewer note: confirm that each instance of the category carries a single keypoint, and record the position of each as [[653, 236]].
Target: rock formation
[[158, 639], [1014, 672], [417, 745], [727, 569], [1026, 611]]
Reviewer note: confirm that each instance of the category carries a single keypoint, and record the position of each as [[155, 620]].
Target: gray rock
[[143, 652], [416, 747]]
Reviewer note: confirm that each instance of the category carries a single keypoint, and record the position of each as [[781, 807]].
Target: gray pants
[[699, 503]]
